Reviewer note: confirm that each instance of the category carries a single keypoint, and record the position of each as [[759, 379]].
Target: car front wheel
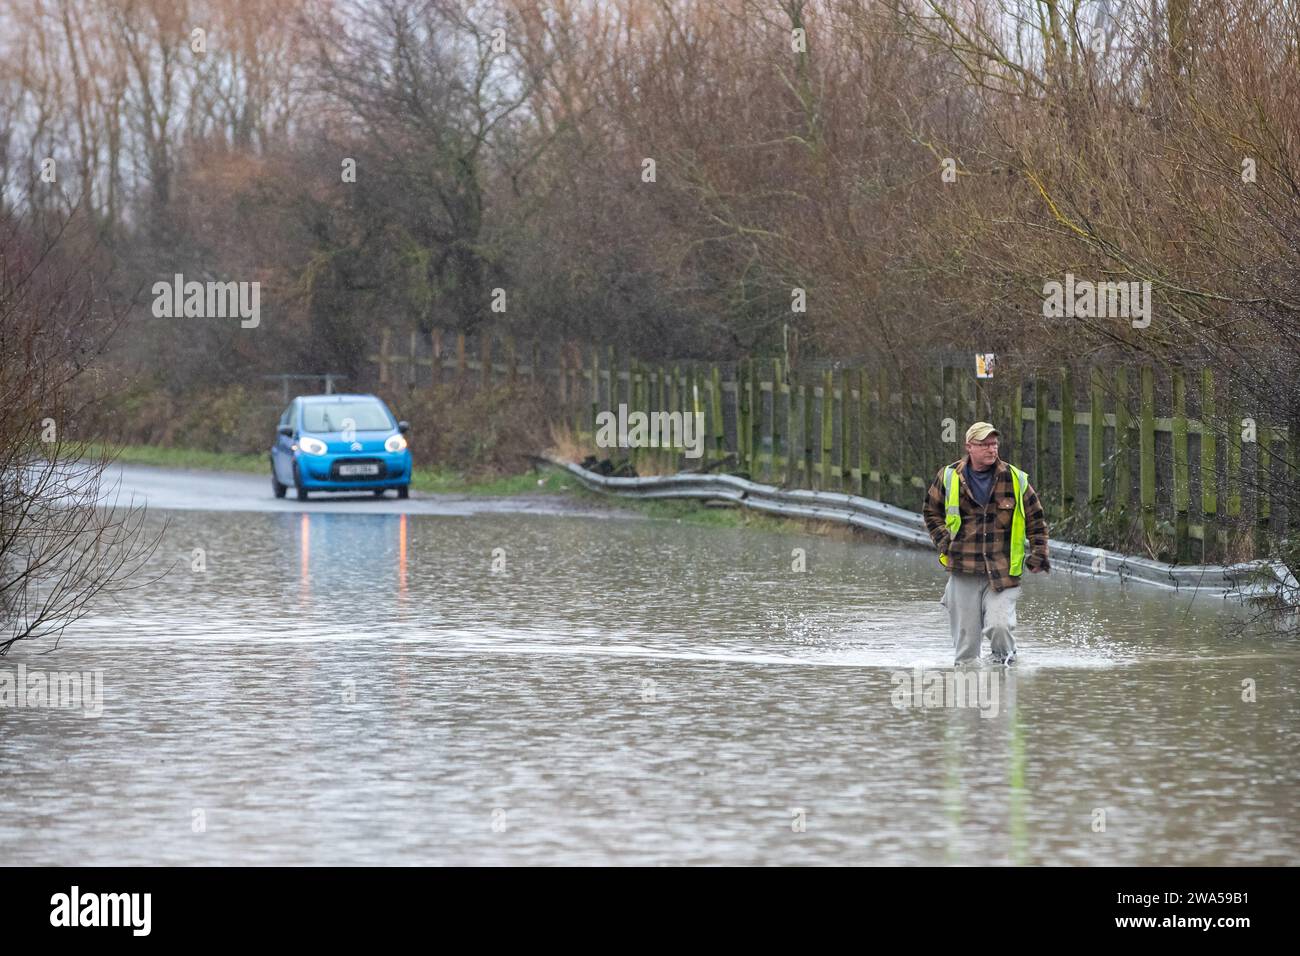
[[297, 484], [404, 491], [276, 487]]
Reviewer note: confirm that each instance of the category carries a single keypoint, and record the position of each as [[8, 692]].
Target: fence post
[[677, 401], [461, 364], [864, 430], [696, 407], [948, 402], [611, 379], [637, 452], [1068, 483], [763, 429], [1007, 411], [1182, 476], [715, 402], [623, 392], [745, 383], [843, 462], [742, 417], [853, 436], [1096, 446], [682, 376], [778, 426], [916, 431], [1123, 443], [808, 394], [793, 442], [485, 357], [932, 400], [882, 433], [650, 379], [1209, 472], [595, 392], [740, 407], [1232, 457], [828, 427], [703, 379], [755, 419], [632, 452], [1040, 437], [649, 384], [575, 394], [961, 414], [1263, 471], [923, 429], [654, 378], [1018, 421], [662, 405], [384, 340], [1147, 451]]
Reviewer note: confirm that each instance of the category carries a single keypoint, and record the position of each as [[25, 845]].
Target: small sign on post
[[984, 362]]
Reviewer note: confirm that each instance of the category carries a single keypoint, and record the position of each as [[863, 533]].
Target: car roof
[[314, 399]]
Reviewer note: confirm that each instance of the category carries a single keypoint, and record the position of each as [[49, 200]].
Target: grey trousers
[[976, 611]]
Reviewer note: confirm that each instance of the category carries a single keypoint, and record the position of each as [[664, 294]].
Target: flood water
[[337, 688]]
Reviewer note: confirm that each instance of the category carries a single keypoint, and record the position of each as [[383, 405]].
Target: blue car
[[340, 443]]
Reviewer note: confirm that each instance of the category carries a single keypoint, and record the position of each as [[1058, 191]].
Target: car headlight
[[395, 442], [312, 446]]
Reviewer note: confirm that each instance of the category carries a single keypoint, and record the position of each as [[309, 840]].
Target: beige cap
[[980, 431]]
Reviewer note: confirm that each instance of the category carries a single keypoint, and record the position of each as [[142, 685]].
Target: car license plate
[[358, 470]]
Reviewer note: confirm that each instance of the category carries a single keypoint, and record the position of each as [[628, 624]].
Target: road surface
[[173, 489]]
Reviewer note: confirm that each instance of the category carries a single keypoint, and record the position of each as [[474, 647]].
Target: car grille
[[340, 467]]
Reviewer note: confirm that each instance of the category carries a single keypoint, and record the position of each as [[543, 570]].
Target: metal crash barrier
[[1248, 580]]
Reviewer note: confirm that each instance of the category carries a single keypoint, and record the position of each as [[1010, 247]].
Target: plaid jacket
[[983, 543]]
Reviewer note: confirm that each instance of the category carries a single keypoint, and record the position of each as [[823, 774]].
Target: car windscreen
[[336, 416]]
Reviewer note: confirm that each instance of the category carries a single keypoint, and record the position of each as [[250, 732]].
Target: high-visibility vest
[[952, 514]]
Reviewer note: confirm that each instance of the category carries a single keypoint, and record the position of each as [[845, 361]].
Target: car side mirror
[[403, 427], [287, 431]]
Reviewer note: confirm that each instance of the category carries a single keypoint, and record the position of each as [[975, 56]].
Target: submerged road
[[173, 489], [455, 680]]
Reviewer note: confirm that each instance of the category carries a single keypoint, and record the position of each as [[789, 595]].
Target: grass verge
[[185, 458]]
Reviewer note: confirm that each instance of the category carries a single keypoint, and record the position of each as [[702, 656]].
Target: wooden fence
[[1176, 456]]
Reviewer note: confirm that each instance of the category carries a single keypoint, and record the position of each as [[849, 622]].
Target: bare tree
[[62, 544]]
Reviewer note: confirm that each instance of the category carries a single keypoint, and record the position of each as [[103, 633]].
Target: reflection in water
[[304, 548], [1018, 794], [952, 790], [378, 698], [349, 548], [401, 556]]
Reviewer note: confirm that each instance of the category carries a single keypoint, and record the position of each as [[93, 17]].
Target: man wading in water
[[979, 510]]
